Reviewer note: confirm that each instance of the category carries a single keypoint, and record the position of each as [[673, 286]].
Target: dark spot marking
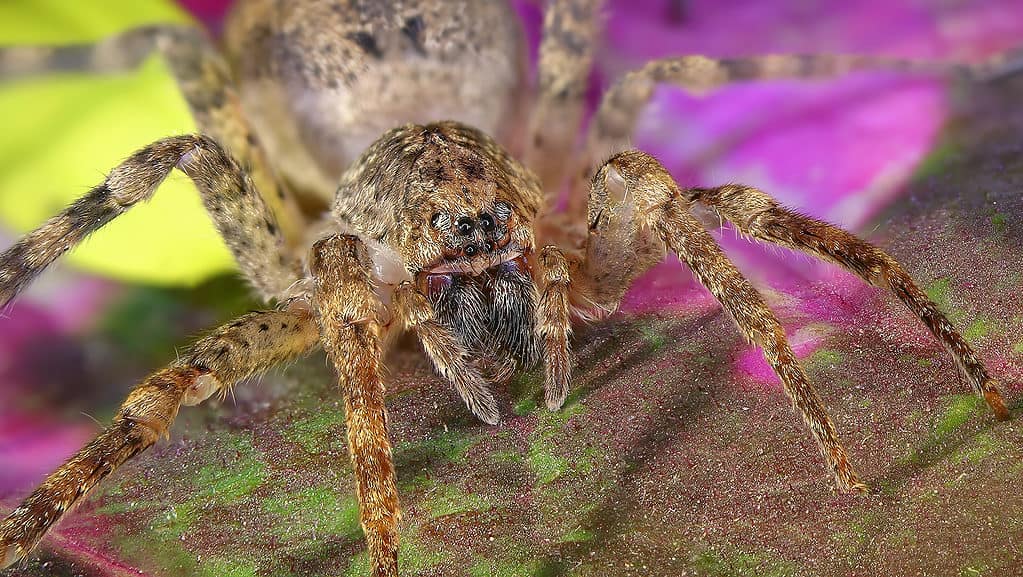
[[263, 327], [413, 30], [472, 165], [367, 43], [271, 228]]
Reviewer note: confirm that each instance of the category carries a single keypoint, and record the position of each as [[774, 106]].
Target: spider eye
[[486, 222], [464, 226], [503, 211]]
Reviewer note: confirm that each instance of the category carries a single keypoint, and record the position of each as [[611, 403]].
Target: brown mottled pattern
[[413, 172], [347, 314], [758, 215], [250, 345], [323, 79]]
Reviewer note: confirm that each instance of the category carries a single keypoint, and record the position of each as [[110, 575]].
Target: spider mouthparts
[[476, 265]]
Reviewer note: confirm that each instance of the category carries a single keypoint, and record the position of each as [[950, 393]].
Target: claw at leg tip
[[556, 404], [997, 404]]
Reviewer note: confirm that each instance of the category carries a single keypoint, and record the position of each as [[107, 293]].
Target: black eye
[[464, 226], [486, 222], [470, 250], [503, 211]]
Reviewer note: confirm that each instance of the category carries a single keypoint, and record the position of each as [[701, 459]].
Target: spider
[[436, 227]]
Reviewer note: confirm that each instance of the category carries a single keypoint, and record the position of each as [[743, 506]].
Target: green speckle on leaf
[[1018, 348], [577, 536], [938, 290], [450, 446], [322, 429], [979, 329], [174, 522], [318, 510], [217, 567], [739, 563], [236, 478], [999, 221], [936, 162], [653, 337], [447, 500], [981, 447], [525, 388], [961, 408], [414, 556], [545, 465]]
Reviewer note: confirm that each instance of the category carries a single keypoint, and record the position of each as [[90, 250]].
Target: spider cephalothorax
[[435, 228]]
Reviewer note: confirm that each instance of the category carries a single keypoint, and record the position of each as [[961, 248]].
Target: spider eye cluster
[[466, 225]]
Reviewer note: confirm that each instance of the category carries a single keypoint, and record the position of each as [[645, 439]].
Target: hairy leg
[[758, 215], [348, 314], [205, 83], [247, 346], [633, 186], [450, 357], [570, 32], [240, 214], [554, 326], [615, 120]]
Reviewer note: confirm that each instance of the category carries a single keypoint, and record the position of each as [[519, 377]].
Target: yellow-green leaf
[[63, 133]]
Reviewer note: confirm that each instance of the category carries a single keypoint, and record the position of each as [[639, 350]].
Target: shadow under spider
[[608, 520]]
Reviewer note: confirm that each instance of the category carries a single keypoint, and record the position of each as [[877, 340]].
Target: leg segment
[[241, 216], [758, 215], [570, 32], [348, 312], [554, 326], [247, 346], [634, 186], [615, 120], [205, 83], [450, 357]]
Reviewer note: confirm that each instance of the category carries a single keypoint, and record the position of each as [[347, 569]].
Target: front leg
[[348, 312], [247, 346], [636, 209]]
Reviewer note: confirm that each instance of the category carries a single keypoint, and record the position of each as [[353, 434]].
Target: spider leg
[[348, 312], [621, 105], [636, 204], [758, 215], [240, 214], [554, 326], [450, 357], [570, 32], [205, 83], [250, 345]]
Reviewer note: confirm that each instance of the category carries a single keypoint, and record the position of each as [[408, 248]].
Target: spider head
[[478, 277]]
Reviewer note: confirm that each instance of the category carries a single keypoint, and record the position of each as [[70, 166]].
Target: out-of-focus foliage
[[63, 133]]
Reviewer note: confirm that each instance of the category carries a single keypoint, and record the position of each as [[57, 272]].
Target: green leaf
[[64, 132]]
